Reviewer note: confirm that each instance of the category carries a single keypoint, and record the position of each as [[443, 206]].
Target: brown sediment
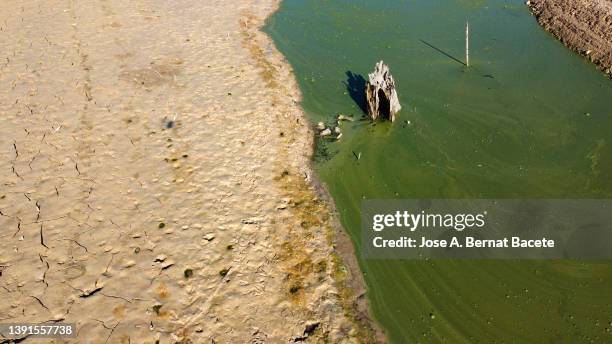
[[585, 26], [309, 199]]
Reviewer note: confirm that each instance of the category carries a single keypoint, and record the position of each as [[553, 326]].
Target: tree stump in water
[[381, 96]]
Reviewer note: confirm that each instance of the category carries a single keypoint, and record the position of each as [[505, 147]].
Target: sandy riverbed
[[584, 26], [155, 179]]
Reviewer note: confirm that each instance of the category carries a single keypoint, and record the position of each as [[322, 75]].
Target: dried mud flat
[[584, 26], [156, 183]]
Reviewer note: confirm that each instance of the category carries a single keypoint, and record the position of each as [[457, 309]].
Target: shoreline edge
[[352, 284]]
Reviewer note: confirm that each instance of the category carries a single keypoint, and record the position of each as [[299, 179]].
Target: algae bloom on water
[[512, 125]]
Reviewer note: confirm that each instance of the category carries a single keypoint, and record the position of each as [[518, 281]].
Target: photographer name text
[[464, 242]]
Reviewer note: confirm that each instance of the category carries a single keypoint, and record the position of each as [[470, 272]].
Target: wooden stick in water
[[467, 44]]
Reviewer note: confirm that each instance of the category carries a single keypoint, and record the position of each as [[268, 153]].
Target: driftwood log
[[381, 96]]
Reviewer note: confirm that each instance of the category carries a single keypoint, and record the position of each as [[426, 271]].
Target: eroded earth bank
[[584, 26]]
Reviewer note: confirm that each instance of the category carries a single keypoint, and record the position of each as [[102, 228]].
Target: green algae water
[[528, 119]]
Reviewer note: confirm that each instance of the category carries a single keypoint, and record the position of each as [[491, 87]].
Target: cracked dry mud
[[146, 190]]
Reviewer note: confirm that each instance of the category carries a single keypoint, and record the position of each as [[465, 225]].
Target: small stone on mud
[[129, 264], [209, 236]]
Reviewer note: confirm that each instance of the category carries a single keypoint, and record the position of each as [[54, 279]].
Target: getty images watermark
[[486, 229]]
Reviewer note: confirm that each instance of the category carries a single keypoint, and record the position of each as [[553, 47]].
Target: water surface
[[528, 119]]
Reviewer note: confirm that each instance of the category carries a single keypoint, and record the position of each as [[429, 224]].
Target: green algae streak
[[528, 119]]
